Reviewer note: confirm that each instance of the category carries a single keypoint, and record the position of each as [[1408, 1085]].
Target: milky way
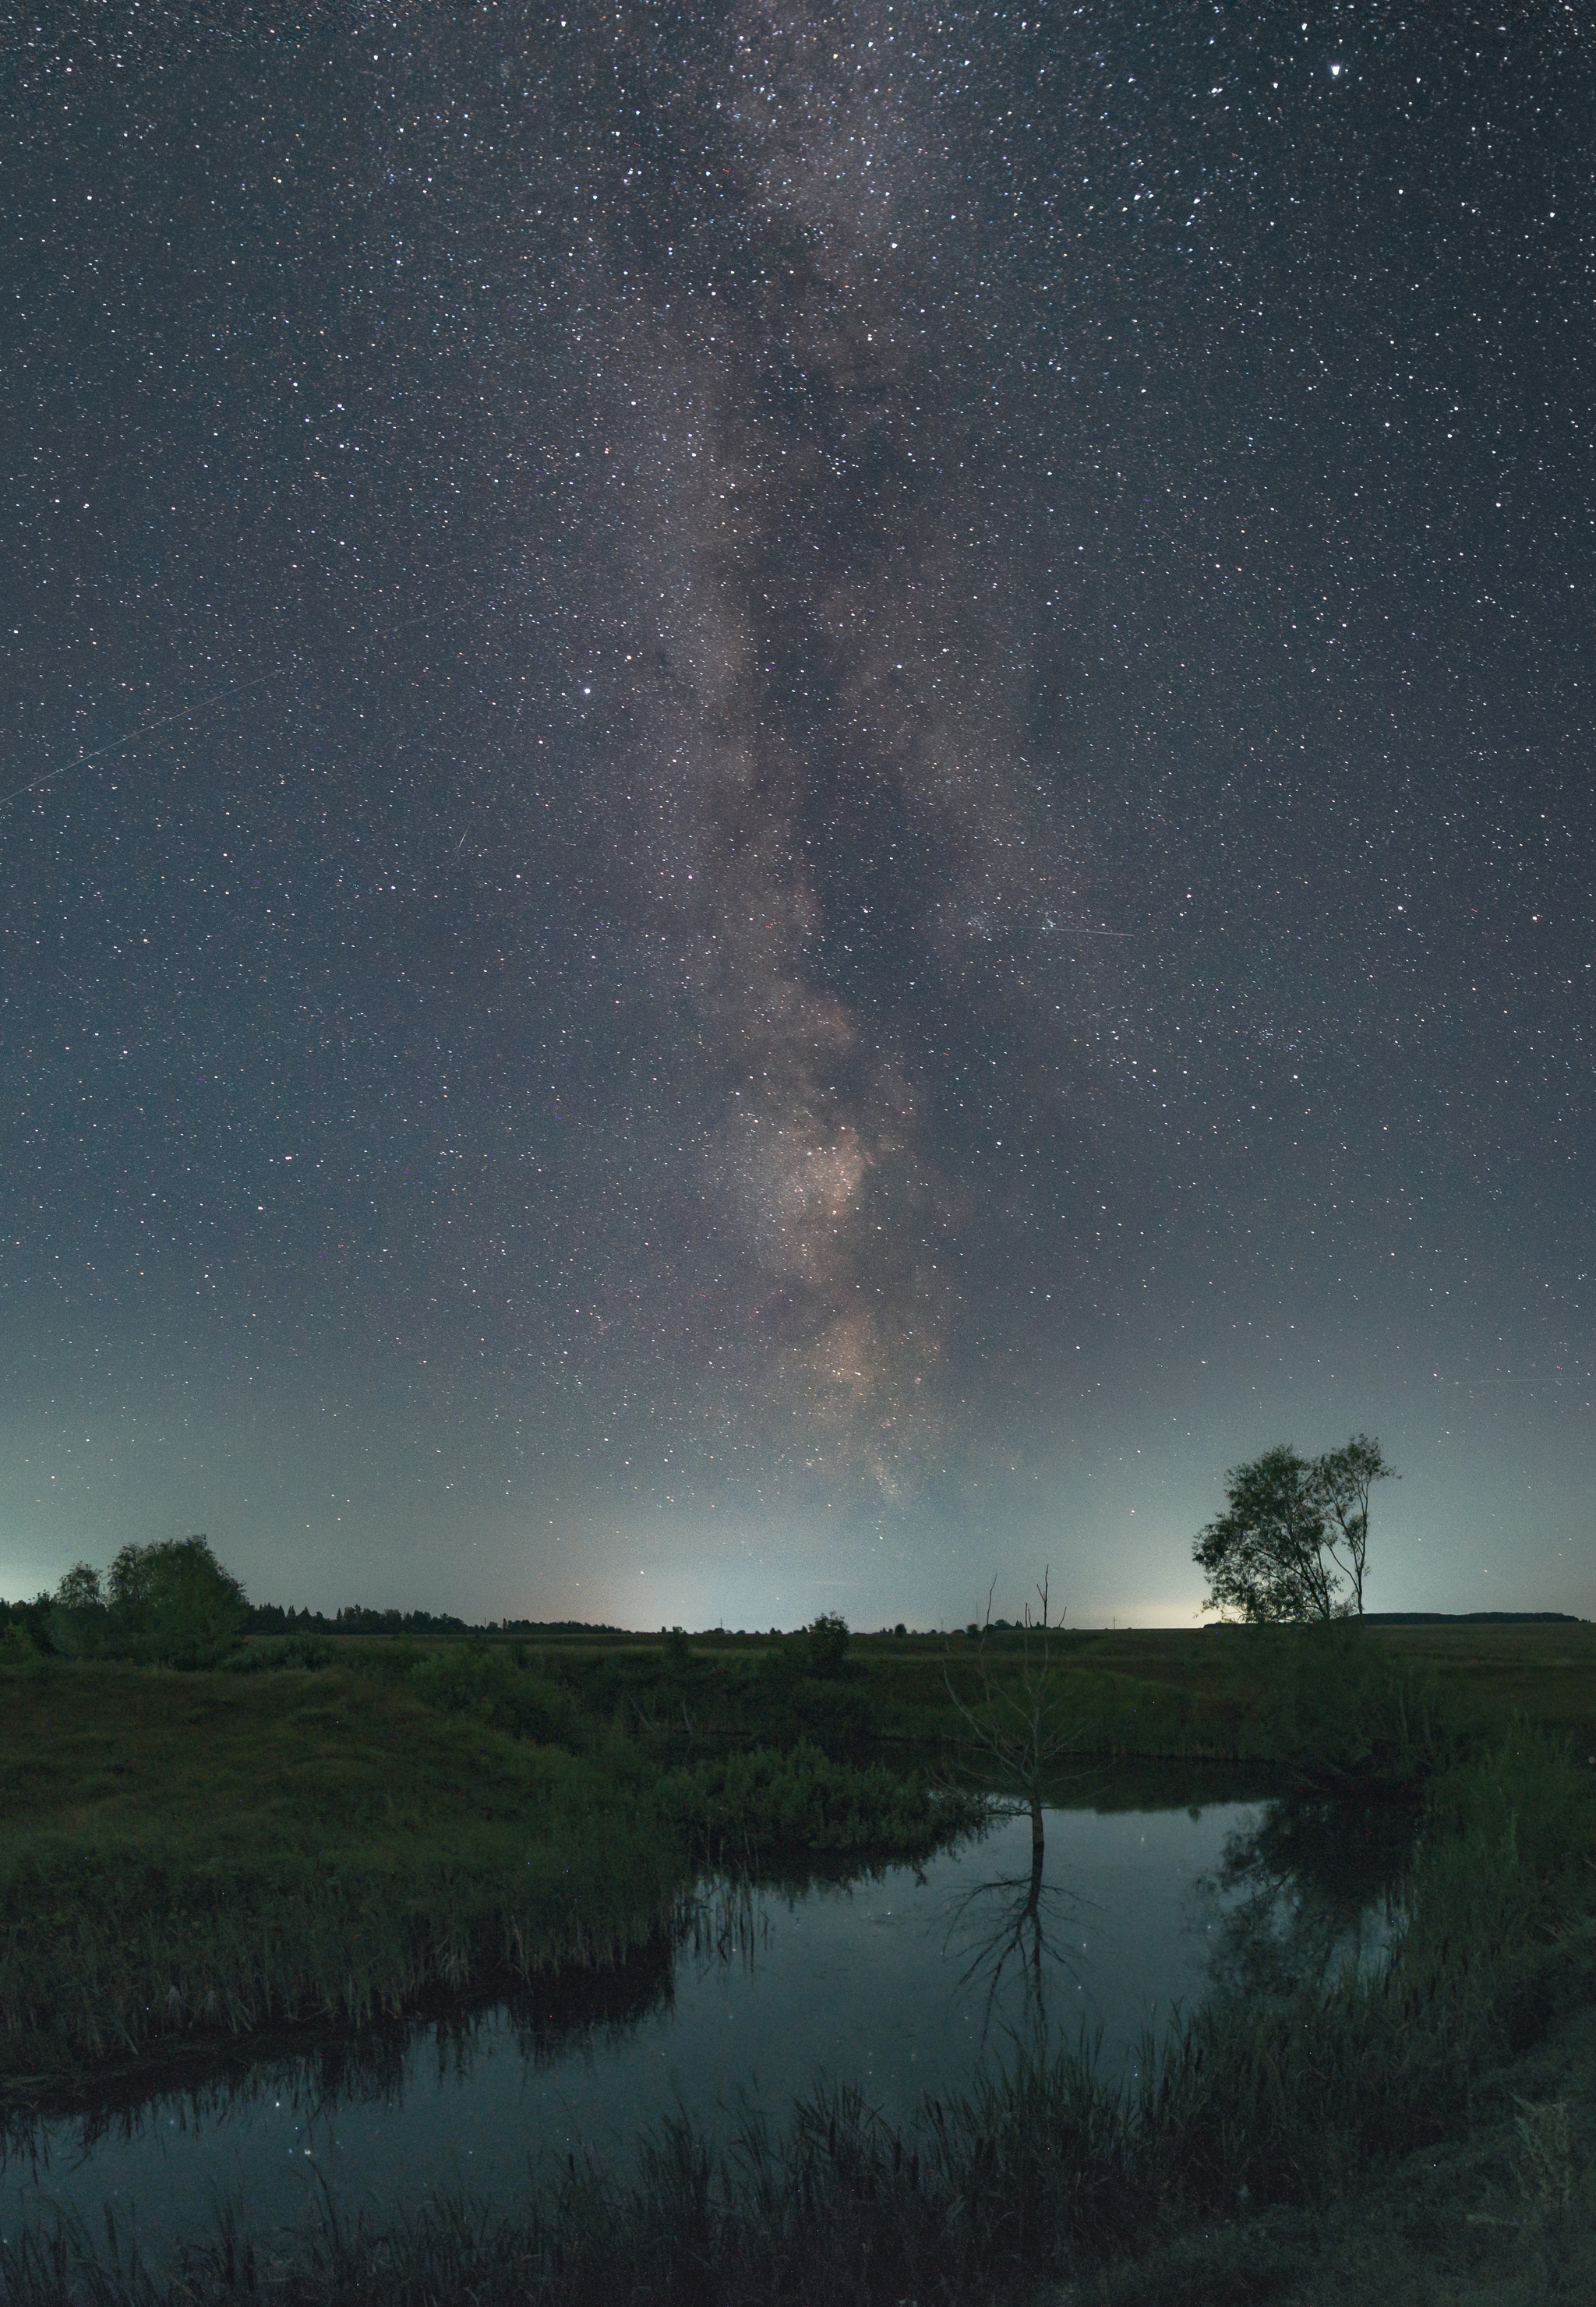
[[797, 803]]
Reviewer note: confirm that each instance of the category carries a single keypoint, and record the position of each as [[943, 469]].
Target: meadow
[[185, 1854]]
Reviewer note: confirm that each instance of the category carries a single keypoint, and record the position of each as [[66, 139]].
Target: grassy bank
[[344, 1828], [182, 1850], [1233, 2162], [226, 1852], [1210, 1694], [1239, 1694]]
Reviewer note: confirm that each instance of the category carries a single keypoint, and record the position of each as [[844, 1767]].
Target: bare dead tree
[[1017, 1733]]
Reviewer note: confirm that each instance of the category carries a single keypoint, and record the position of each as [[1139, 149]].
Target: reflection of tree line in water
[[1312, 1889], [318, 2070], [1315, 1887], [1299, 1894]]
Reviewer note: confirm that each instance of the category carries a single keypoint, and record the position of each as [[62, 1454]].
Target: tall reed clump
[[105, 1951], [1045, 2170], [763, 1804], [208, 1852]]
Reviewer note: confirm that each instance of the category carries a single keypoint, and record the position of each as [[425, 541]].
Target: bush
[[1340, 1705], [759, 1804], [489, 1685], [828, 1641]]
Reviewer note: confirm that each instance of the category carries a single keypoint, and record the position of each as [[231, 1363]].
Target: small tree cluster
[[171, 1603], [828, 1646], [1293, 1542]]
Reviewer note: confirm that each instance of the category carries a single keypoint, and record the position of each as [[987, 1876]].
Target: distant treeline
[[75, 1621], [41, 1619], [1471, 1618], [271, 1618]]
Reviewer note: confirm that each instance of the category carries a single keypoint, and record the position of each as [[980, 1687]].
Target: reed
[[108, 1947], [183, 1853], [1046, 2170], [759, 1805]]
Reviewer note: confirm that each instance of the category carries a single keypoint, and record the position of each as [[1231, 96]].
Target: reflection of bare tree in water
[[1316, 1889], [1017, 1736], [1016, 1926]]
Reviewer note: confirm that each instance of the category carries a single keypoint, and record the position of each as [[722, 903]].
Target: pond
[[900, 1980]]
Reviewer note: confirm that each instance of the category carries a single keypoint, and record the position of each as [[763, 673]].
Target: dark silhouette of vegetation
[[168, 1604], [1219, 2169], [1293, 1540], [827, 1639]]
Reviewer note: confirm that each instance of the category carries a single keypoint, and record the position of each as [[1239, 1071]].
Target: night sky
[[796, 804]]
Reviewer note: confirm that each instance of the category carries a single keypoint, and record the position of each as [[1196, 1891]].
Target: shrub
[[758, 1804], [828, 1641], [489, 1685]]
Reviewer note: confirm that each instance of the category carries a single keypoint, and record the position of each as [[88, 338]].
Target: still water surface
[[901, 1982]]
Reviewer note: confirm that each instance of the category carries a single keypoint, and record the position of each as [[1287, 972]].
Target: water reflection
[[899, 1979], [1017, 1928], [314, 2074], [1308, 1891]]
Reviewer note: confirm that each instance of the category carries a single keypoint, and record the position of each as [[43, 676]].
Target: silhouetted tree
[[1342, 1481], [174, 1603], [1273, 1555], [1017, 1732]]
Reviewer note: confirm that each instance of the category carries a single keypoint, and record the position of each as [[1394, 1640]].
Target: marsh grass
[[1331, 1705], [202, 1851], [1200, 1710], [223, 1854], [759, 1806], [1251, 1694], [1214, 2172]]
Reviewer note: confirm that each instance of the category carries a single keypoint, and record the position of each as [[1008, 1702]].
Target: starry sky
[[794, 804]]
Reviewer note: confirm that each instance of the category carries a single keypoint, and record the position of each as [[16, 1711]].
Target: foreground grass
[[182, 1850], [227, 1853], [1252, 2157]]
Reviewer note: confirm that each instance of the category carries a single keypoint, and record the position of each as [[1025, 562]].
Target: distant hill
[[1471, 1618], [1449, 1618]]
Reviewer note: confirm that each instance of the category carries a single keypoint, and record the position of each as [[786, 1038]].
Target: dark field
[[222, 1850], [184, 1855]]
